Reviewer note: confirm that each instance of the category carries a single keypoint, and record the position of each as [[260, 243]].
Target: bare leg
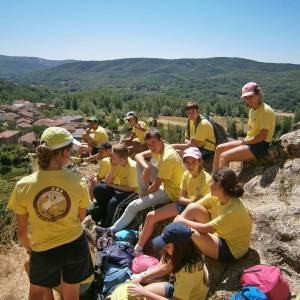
[[207, 243], [70, 291], [37, 292], [163, 213], [239, 153], [222, 148]]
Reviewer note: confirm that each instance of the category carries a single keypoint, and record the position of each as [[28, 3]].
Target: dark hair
[[45, 154], [191, 105], [228, 181], [184, 255], [105, 146], [120, 150], [153, 133]]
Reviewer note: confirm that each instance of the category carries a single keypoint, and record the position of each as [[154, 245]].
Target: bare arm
[[22, 223], [158, 271], [183, 198], [140, 158], [261, 137], [81, 213], [110, 176], [153, 187], [200, 227]]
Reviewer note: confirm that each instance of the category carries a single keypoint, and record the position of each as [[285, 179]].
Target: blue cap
[[176, 233]]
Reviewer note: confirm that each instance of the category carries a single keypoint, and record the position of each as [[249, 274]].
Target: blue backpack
[[114, 276], [249, 293]]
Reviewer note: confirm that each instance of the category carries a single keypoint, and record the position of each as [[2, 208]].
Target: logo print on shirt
[[52, 203]]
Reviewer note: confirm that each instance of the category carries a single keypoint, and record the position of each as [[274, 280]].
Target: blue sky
[[263, 30]]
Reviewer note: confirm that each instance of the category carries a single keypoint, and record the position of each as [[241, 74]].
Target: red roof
[[26, 120], [28, 138], [24, 125], [44, 121], [26, 113], [58, 122], [8, 133]]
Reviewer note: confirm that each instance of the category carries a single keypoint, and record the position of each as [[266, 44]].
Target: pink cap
[[249, 89], [192, 152]]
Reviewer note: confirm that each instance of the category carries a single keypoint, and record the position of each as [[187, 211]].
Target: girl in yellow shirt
[[194, 185], [180, 257], [259, 136], [221, 220], [53, 201]]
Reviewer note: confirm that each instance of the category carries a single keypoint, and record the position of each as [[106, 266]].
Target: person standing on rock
[[53, 202], [261, 123], [136, 141], [221, 221]]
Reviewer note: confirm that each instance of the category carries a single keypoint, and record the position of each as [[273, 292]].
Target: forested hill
[[13, 66]]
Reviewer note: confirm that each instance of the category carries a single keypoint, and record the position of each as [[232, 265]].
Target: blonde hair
[[45, 155]]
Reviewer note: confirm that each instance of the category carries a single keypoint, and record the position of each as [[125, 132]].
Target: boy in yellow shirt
[[119, 183], [163, 187], [136, 141]]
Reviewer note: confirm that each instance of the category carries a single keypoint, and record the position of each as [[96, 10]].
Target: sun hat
[[192, 152], [130, 114], [176, 233], [249, 89], [92, 119], [58, 137]]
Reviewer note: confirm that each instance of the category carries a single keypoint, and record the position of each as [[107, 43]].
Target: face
[[169, 248], [155, 145], [65, 156], [114, 158], [93, 125], [192, 113], [105, 152], [215, 188], [252, 101], [191, 164], [131, 122]]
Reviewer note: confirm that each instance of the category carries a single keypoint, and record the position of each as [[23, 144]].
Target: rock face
[[272, 194]]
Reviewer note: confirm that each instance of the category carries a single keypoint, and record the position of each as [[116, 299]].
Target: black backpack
[[219, 130]]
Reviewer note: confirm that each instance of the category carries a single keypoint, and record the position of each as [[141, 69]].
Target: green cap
[[93, 119], [58, 137]]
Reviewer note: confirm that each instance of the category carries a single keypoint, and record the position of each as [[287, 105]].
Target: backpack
[[219, 130], [142, 263], [118, 254], [268, 279], [130, 236], [249, 293], [114, 276]]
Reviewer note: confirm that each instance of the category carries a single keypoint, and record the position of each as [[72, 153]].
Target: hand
[[178, 218], [146, 175], [136, 290], [137, 280], [113, 161]]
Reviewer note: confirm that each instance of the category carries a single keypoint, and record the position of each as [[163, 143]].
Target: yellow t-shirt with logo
[[104, 167], [196, 187], [204, 133], [261, 118], [127, 175], [51, 199], [170, 171], [231, 221], [140, 134], [99, 135], [190, 286]]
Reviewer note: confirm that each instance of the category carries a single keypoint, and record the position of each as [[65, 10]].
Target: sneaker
[[101, 230]]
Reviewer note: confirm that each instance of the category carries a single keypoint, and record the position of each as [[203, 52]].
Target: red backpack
[[268, 279]]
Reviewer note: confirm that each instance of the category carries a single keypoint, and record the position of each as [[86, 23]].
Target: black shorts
[[205, 154], [224, 251], [180, 207], [72, 262], [259, 150]]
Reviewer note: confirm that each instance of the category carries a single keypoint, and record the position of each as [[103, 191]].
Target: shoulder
[[169, 152], [100, 129], [186, 174], [268, 109], [105, 160], [27, 180], [132, 163], [206, 175]]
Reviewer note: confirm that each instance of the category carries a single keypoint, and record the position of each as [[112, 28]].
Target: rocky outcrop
[[272, 194]]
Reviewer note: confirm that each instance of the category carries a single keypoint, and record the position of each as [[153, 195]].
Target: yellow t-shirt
[[99, 135], [196, 187], [104, 167], [51, 199], [261, 118], [231, 221], [140, 134], [203, 132], [190, 286], [127, 175], [170, 171], [121, 293]]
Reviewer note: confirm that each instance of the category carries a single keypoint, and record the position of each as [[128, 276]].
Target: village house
[[24, 125], [25, 114], [26, 120], [28, 139], [9, 137], [10, 117]]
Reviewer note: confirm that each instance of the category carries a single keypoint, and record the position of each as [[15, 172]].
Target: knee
[[150, 216], [132, 208], [223, 156]]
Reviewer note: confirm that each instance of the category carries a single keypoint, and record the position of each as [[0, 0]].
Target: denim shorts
[[169, 290], [259, 150], [180, 207], [224, 251]]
